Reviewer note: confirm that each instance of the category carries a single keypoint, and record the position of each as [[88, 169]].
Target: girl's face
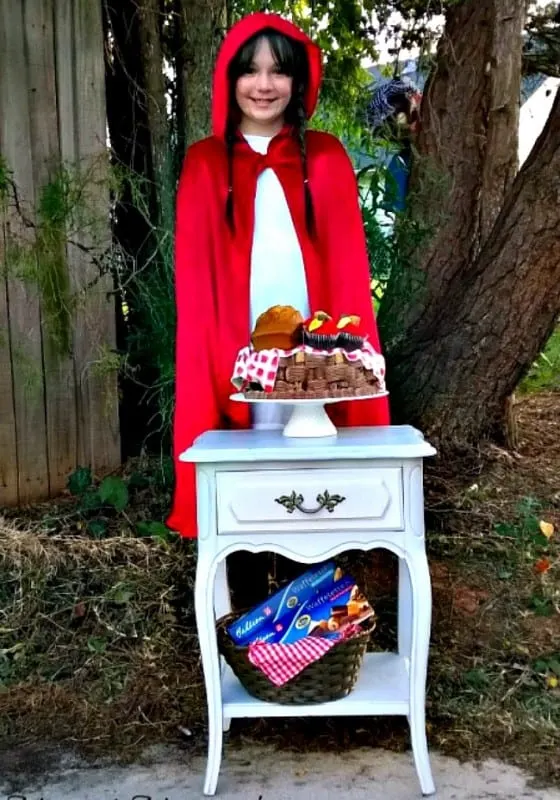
[[263, 94]]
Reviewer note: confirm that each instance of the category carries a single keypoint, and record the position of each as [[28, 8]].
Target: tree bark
[[152, 97], [454, 379], [468, 155], [201, 25], [134, 111]]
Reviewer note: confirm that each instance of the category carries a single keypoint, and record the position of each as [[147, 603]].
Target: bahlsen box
[[259, 622]]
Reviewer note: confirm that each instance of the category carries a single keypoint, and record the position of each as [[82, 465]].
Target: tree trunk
[[468, 155], [135, 105], [454, 379], [200, 28], [152, 96], [476, 303]]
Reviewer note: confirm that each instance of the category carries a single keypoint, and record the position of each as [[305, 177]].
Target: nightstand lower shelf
[[382, 689]]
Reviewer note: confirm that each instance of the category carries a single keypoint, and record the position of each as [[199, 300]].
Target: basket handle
[[295, 500]]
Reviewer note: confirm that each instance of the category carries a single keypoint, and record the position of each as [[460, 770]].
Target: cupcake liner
[[320, 341], [350, 341]]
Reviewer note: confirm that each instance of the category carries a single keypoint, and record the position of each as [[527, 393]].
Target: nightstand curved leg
[[421, 620], [206, 625]]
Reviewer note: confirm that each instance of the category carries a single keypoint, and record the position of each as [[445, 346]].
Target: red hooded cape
[[213, 265]]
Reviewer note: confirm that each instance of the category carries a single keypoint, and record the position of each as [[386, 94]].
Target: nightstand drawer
[[310, 500]]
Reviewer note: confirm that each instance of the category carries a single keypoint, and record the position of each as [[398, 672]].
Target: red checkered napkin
[[282, 662], [256, 367]]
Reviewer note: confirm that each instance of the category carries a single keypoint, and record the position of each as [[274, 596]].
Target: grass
[[544, 375]]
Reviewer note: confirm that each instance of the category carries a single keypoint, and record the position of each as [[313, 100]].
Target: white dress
[[277, 268]]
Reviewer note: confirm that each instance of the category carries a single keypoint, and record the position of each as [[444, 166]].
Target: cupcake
[[351, 334], [320, 331]]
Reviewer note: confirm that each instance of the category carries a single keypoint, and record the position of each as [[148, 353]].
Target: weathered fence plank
[[60, 398], [99, 443], [8, 444], [8, 448], [22, 295]]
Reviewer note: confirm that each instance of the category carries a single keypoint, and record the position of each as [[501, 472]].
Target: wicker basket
[[330, 678]]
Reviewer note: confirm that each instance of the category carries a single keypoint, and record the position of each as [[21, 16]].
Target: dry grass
[[97, 644]]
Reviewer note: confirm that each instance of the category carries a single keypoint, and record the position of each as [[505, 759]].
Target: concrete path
[[261, 774]]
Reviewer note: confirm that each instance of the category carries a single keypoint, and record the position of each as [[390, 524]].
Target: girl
[[267, 213]]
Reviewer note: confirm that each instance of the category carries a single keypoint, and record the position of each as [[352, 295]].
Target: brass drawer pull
[[294, 500]]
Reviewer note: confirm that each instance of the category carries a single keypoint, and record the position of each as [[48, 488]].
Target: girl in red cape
[[267, 213]]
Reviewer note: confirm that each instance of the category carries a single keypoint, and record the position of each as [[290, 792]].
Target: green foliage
[[65, 213], [541, 50], [113, 492], [148, 300], [546, 665], [525, 528], [96, 644], [97, 528], [5, 177], [90, 502], [544, 374], [80, 481], [343, 113], [156, 530], [41, 261], [102, 503], [394, 240], [530, 549], [541, 604], [51, 276], [120, 593]]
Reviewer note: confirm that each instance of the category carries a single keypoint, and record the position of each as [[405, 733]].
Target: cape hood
[[240, 33]]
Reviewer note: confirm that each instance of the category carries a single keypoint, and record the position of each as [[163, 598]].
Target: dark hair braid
[[301, 126]]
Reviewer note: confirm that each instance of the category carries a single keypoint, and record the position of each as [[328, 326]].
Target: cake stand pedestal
[[309, 418]]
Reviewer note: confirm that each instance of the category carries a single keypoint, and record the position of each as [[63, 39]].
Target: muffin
[[351, 334], [320, 331], [279, 327]]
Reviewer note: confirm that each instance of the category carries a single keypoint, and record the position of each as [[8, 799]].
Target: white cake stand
[[309, 418]]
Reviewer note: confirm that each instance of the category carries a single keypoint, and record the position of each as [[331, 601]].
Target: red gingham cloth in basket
[[261, 366], [282, 662]]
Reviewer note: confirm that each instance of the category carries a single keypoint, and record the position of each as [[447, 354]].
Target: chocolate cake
[[311, 376]]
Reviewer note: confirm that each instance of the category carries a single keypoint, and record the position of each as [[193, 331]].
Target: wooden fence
[[57, 410]]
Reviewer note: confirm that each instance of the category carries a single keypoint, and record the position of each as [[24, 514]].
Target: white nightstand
[[241, 475]]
